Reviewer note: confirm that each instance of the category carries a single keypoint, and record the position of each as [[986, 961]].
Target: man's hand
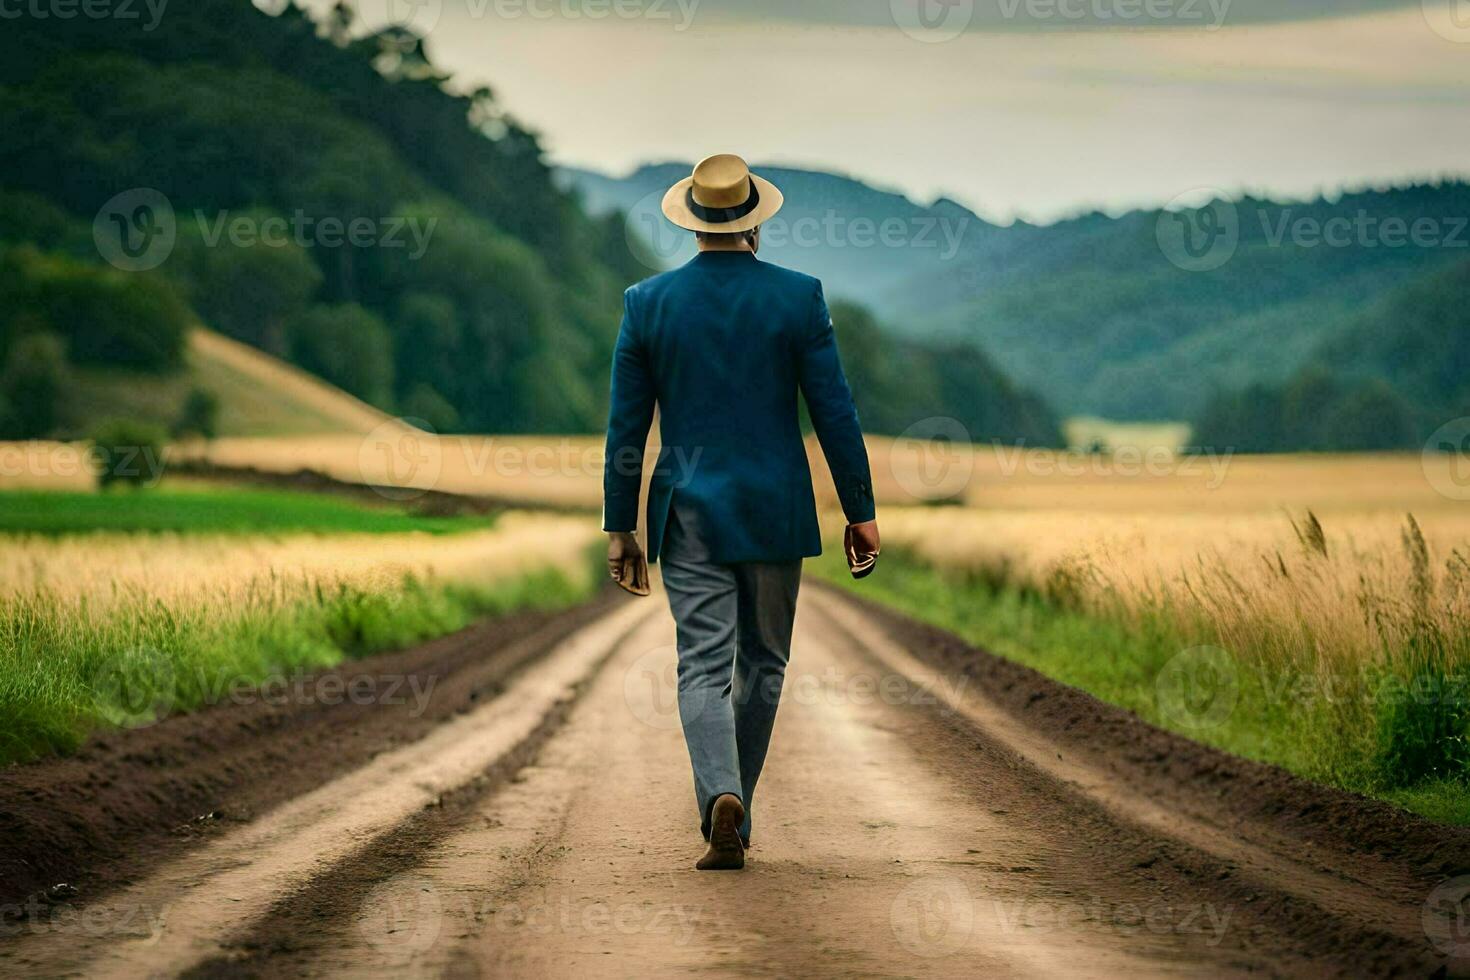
[[626, 562], [861, 544]]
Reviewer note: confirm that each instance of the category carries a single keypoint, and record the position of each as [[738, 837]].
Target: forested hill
[[503, 322], [476, 294], [1094, 312]]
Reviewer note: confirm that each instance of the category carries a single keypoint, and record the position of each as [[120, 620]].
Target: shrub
[[129, 452], [199, 414]]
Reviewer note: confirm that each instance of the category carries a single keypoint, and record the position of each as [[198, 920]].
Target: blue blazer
[[722, 345]]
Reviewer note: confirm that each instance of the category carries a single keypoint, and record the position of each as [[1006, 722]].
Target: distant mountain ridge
[[861, 240], [1092, 312]]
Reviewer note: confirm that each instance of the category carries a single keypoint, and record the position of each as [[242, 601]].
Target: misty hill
[[860, 240], [1091, 312]]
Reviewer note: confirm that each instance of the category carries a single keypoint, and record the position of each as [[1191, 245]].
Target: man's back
[[722, 346]]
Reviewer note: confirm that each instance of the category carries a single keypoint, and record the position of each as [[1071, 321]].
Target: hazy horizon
[[1037, 116]]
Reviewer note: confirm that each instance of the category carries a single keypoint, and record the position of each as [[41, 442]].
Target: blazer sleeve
[[835, 418], [629, 418]]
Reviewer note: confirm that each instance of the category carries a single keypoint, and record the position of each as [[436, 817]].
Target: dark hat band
[[720, 216]]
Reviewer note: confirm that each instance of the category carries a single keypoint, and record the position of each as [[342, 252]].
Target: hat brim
[[676, 208]]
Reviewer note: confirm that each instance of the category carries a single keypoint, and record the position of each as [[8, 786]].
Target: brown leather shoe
[[725, 853]]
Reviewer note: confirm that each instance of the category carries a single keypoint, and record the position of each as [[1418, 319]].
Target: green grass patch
[[66, 672], [1395, 731], [227, 510]]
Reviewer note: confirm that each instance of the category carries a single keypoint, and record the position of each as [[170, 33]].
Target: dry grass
[[218, 571]]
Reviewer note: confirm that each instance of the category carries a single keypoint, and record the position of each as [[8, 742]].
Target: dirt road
[[913, 821]]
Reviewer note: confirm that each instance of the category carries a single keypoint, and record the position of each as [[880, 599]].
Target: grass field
[[1338, 649], [116, 609], [219, 511]]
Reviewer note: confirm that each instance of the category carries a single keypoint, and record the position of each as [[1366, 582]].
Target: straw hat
[[721, 195]]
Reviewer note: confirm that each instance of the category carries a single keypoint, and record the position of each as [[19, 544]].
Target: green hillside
[[1390, 376], [479, 296], [227, 144]]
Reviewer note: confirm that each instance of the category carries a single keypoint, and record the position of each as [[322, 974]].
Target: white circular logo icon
[[402, 918], [271, 8], [1450, 19], [933, 459], [401, 459], [135, 688], [932, 21], [932, 917], [1446, 917], [1446, 459], [1198, 688], [135, 230], [1199, 230], [651, 689], [655, 241], [417, 16]]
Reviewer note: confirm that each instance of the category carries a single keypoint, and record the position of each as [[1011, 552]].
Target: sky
[[1037, 109]]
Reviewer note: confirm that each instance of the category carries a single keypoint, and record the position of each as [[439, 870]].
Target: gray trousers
[[734, 635]]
